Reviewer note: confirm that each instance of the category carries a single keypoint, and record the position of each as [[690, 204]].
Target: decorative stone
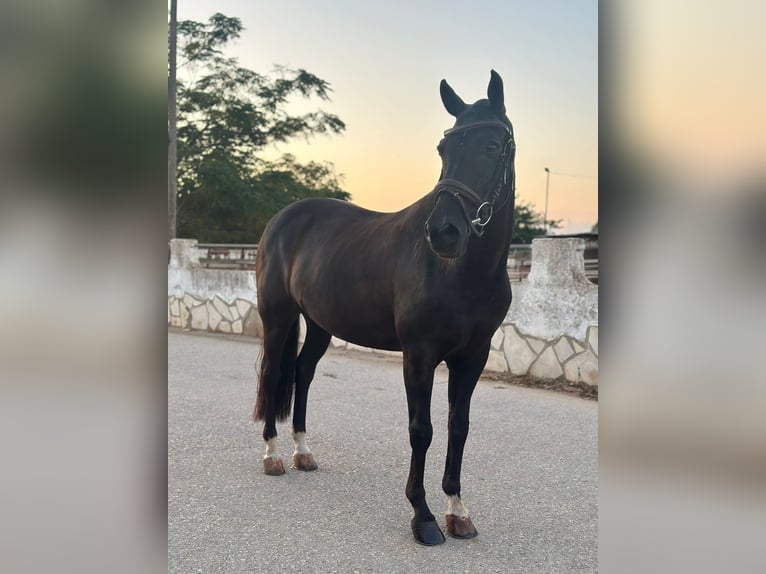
[[222, 308], [387, 353], [337, 343], [234, 312], [353, 347], [578, 346], [536, 344], [199, 317], [517, 352], [185, 315], [224, 327], [174, 311], [252, 326], [546, 366], [582, 368], [496, 362], [593, 339], [497, 339], [214, 317], [243, 307], [563, 349], [236, 327], [190, 301]]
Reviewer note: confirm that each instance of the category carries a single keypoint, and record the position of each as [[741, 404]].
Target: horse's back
[[315, 223], [322, 209], [335, 261]]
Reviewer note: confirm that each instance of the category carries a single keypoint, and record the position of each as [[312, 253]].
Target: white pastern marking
[[299, 438], [455, 506], [271, 448]]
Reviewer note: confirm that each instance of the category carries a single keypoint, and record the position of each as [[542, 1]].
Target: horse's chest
[[455, 316]]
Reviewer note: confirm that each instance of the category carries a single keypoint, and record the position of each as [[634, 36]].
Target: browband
[[488, 123]]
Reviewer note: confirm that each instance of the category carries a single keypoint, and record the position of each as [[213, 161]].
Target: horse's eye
[[492, 148]]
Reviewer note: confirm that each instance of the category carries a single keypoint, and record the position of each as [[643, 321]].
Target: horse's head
[[477, 169]]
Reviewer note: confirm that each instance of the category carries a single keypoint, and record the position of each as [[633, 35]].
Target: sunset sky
[[384, 61]]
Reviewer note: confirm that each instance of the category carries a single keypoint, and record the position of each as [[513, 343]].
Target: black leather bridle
[[464, 194]]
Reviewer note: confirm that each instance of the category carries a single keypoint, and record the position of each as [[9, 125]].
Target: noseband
[[462, 193]]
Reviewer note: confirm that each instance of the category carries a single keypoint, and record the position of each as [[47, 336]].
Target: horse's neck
[[490, 252]]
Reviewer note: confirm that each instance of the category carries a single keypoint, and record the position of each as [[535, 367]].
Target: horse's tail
[[282, 396]]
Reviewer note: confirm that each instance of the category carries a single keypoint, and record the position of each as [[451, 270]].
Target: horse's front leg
[[418, 381], [464, 373]]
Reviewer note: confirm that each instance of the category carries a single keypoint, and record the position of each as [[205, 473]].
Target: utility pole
[[172, 144]]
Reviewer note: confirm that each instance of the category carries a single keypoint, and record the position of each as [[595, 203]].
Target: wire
[[574, 175]]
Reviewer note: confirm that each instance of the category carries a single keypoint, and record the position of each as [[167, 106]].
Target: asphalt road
[[529, 473]]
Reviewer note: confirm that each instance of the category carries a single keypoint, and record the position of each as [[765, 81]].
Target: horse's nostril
[[449, 233]]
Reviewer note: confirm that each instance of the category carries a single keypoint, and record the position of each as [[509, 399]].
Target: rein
[[462, 193]]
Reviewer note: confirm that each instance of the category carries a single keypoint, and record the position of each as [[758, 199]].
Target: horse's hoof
[[427, 533], [273, 466], [460, 526], [304, 461]]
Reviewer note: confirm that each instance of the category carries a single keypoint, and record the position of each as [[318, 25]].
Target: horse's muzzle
[[446, 241]]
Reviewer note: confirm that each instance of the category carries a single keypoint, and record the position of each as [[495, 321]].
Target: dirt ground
[[562, 385]]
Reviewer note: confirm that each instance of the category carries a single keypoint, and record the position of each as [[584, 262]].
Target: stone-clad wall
[[520, 354], [551, 329], [552, 326], [218, 300], [239, 317]]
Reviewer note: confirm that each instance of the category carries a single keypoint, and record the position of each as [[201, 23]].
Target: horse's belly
[[371, 338], [362, 331], [361, 321]]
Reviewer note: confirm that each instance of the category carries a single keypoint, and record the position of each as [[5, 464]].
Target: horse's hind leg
[[464, 373], [315, 345], [277, 375]]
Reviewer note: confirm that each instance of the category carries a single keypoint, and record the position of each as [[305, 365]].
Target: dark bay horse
[[429, 280]]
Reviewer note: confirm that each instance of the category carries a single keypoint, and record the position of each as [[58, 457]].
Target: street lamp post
[[545, 217]]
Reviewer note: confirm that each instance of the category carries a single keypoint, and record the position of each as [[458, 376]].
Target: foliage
[[230, 208], [528, 224], [227, 114], [594, 229]]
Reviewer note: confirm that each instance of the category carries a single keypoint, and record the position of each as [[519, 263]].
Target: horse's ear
[[495, 93], [451, 100]]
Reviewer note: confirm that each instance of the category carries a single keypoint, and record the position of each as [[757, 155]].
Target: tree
[[528, 223], [232, 209], [226, 115]]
